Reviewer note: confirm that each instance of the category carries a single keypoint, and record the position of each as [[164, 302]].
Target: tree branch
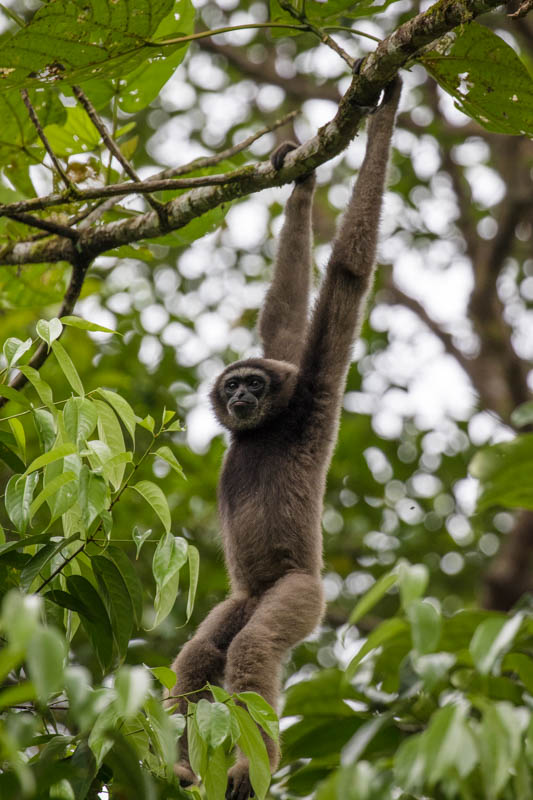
[[377, 70]]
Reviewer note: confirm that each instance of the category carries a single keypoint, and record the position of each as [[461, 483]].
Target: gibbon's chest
[[268, 478]]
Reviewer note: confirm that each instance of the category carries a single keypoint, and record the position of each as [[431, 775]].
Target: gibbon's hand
[[277, 159]]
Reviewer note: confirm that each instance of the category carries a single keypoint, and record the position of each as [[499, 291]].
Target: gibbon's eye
[[256, 383], [231, 385]]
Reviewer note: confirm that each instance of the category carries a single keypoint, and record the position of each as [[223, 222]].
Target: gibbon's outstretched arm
[[284, 318], [338, 314]]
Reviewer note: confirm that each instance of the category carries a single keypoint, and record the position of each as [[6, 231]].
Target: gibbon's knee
[[199, 661]]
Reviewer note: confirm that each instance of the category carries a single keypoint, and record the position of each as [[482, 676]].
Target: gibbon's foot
[[239, 786], [277, 159], [184, 773]]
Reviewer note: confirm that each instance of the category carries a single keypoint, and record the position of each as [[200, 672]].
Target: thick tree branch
[[377, 70]]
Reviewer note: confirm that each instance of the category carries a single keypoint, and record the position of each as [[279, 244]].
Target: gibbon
[[283, 411]]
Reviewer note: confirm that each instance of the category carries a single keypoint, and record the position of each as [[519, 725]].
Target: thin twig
[[111, 145], [324, 37], [35, 119], [46, 225], [209, 161], [91, 216]]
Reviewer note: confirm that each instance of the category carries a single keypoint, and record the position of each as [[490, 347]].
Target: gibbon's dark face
[[252, 391]]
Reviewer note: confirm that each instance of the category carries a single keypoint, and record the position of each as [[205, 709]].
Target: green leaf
[[67, 365], [64, 498], [486, 77], [41, 387], [12, 394], [155, 497], [84, 324], [148, 423], [97, 623], [143, 85], [11, 459], [110, 433], [496, 751], [51, 489], [49, 330], [213, 721], [167, 455], [118, 601], [76, 41], [261, 712], [139, 537], [123, 409], [448, 745], [45, 659], [194, 570], [42, 558], [19, 494], [132, 685], [373, 596], [215, 778], [45, 426], [93, 495], [15, 349], [523, 415], [20, 619], [197, 747], [80, 417], [169, 557], [130, 578], [20, 436], [76, 134], [389, 631], [412, 581], [15, 695], [500, 469], [165, 676], [251, 743], [20, 544], [58, 452], [426, 625], [492, 639]]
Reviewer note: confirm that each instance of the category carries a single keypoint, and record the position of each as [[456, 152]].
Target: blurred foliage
[[408, 690]]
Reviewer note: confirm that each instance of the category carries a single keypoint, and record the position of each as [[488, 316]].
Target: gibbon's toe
[[184, 773], [239, 786]]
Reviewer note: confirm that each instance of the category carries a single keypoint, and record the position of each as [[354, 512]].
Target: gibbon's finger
[[277, 157]]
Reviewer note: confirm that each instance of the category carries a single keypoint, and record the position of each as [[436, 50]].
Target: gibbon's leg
[[283, 320], [286, 613], [202, 660]]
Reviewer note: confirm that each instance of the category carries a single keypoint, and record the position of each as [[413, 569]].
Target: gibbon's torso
[[271, 494]]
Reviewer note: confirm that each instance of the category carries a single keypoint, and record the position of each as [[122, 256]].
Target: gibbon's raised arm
[[339, 310], [284, 319]]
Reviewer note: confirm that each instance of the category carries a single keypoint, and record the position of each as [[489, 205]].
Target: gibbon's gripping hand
[[277, 159]]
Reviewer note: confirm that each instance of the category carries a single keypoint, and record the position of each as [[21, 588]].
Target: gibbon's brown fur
[[283, 413]]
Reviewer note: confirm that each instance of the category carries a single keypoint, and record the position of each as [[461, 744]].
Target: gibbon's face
[[250, 392]]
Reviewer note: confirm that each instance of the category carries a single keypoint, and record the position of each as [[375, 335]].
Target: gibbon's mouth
[[241, 407]]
